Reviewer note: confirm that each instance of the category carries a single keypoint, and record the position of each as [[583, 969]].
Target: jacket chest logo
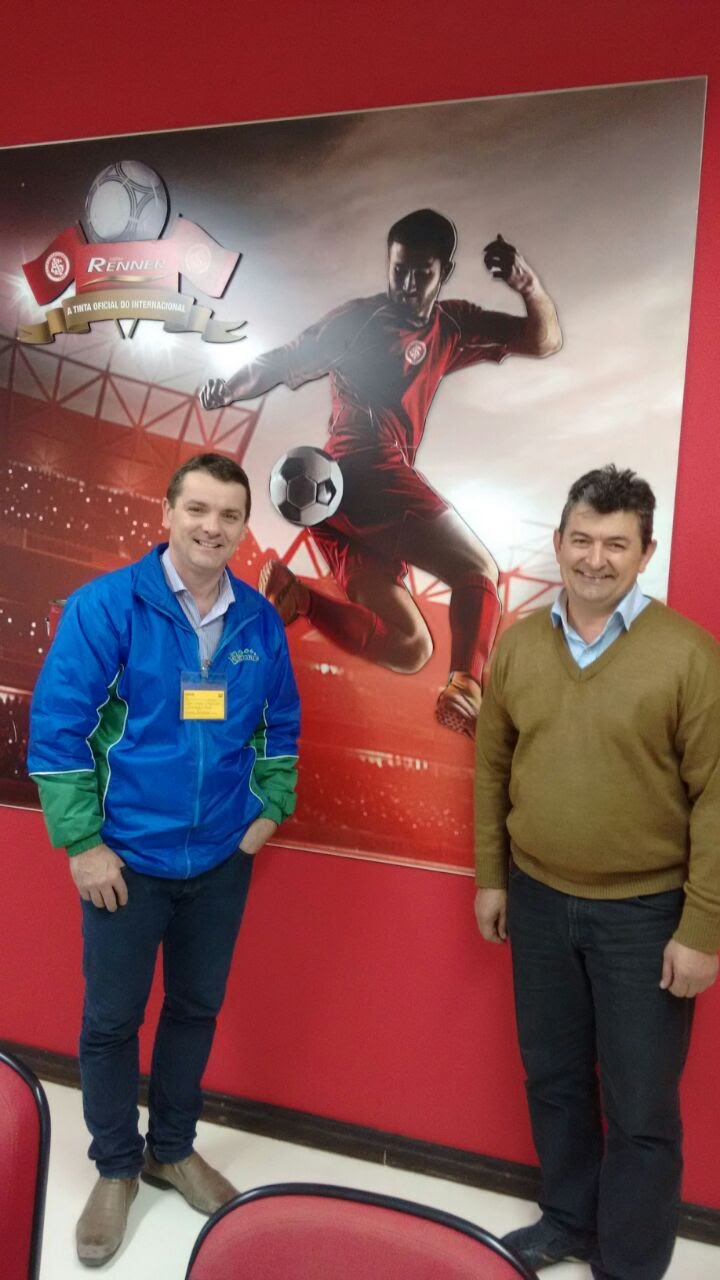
[[244, 655]]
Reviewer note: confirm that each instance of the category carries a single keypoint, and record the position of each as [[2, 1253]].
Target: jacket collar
[[151, 585]]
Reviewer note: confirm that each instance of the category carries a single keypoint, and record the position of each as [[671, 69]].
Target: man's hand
[[257, 834], [98, 877], [687, 972], [491, 914], [215, 394]]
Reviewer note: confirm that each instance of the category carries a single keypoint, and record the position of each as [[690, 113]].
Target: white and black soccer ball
[[306, 485], [127, 201]]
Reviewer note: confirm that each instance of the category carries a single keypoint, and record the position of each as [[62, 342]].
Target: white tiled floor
[[162, 1228]]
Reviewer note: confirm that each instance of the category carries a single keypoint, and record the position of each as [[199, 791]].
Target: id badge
[[202, 697]]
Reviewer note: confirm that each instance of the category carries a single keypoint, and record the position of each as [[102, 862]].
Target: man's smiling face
[[600, 557], [206, 524]]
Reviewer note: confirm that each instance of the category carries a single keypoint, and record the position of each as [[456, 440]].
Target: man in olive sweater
[[597, 818]]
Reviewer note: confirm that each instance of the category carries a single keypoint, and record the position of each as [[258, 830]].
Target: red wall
[[362, 991]]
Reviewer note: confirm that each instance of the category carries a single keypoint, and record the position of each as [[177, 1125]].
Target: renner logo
[[125, 264]]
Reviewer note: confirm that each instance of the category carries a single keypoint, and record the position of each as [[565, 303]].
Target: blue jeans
[[587, 997], [197, 923]]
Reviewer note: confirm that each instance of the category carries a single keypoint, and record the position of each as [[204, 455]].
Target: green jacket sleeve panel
[[275, 780], [274, 741], [71, 808], [698, 746], [495, 745]]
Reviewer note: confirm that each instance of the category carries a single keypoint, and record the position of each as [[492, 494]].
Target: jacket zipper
[[204, 671]]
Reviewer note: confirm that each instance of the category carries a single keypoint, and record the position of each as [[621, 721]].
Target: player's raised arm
[[253, 379], [538, 333], [309, 356]]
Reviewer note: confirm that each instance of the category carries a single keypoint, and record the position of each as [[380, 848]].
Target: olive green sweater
[[604, 782]]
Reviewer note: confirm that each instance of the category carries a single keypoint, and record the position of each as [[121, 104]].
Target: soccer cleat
[[280, 586], [458, 704]]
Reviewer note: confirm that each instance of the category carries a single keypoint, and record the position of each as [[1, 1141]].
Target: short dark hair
[[425, 229], [606, 489], [218, 466]]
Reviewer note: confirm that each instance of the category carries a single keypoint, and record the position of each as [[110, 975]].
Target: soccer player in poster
[[385, 356]]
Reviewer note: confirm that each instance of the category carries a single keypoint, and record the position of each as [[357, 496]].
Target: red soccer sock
[[474, 617], [351, 626]]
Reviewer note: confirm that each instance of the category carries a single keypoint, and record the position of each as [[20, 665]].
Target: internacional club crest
[[57, 267], [415, 352]]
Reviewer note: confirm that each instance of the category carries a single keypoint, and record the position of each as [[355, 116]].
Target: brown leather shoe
[[201, 1185], [458, 704], [101, 1225]]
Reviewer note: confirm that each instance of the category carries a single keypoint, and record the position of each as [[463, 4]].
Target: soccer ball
[[306, 485], [127, 201]]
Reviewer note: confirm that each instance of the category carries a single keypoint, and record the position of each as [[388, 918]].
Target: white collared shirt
[[625, 613], [210, 628]]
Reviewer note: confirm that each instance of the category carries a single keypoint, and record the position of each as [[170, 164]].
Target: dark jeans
[[197, 923], [587, 996]]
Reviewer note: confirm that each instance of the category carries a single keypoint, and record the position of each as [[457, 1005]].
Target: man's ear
[[648, 554], [447, 271]]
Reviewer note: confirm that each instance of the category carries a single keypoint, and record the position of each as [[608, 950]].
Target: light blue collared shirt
[[210, 628], [629, 608]]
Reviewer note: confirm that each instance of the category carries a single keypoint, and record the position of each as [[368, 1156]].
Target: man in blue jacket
[[164, 745]]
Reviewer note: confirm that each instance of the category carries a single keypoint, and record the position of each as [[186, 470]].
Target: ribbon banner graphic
[[179, 312]]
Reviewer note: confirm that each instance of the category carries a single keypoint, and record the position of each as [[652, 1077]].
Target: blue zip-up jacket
[[113, 760]]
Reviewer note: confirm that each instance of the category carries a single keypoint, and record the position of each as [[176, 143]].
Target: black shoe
[[543, 1244]]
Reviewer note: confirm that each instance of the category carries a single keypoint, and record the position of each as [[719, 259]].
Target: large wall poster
[[597, 188]]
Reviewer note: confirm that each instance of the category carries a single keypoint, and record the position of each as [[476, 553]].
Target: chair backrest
[[306, 1231], [24, 1154]]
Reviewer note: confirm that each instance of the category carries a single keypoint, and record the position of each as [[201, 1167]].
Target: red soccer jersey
[[383, 372]]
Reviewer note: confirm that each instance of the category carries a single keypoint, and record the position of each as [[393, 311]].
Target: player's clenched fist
[[505, 263], [499, 257], [215, 394]]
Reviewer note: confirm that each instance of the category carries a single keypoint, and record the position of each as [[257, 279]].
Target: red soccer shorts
[[381, 493]]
